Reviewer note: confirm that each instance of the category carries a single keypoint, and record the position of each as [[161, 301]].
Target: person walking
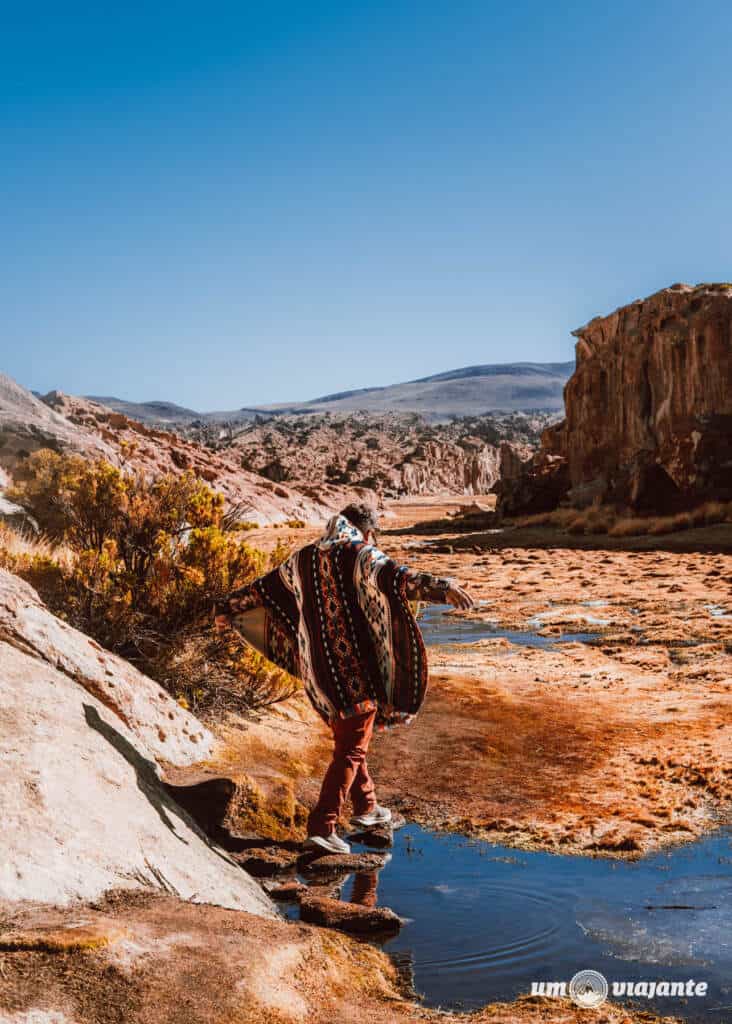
[[337, 614]]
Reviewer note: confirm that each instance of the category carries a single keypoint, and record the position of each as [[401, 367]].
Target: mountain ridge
[[467, 390]]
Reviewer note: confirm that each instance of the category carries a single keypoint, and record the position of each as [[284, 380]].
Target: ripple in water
[[484, 921]]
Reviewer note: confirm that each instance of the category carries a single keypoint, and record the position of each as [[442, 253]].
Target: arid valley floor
[[612, 748]]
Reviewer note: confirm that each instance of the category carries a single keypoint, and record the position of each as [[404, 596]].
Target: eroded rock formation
[[392, 454], [27, 424], [64, 423], [648, 409]]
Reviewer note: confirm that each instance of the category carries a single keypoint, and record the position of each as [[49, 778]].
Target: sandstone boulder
[[163, 729], [348, 917], [648, 410], [82, 735]]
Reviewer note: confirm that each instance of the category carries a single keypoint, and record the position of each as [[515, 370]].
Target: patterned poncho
[[337, 615]]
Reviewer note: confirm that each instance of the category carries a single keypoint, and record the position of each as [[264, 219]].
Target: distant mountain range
[[467, 391]]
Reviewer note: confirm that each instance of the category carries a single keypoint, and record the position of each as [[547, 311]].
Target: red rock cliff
[[649, 406]]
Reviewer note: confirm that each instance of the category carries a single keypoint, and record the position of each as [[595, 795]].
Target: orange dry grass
[[600, 519], [22, 546]]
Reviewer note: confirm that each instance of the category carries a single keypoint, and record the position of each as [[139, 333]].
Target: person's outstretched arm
[[423, 586], [419, 586]]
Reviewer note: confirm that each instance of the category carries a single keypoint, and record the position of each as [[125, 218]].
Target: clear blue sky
[[228, 204]]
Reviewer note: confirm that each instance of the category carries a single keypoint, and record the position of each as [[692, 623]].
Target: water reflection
[[483, 921]]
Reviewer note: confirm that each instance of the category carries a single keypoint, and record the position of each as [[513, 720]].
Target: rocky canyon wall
[[648, 409]]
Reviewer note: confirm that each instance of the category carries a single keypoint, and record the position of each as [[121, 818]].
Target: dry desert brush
[[143, 561]]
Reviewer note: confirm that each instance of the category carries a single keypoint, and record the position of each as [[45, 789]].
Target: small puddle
[[441, 627], [485, 921]]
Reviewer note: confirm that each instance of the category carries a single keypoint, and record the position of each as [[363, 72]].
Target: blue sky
[[229, 204]]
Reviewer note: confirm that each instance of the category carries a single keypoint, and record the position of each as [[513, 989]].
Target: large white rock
[[163, 729], [83, 807]]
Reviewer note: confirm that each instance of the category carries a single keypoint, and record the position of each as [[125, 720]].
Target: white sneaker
[[379, 816], [330, 844]]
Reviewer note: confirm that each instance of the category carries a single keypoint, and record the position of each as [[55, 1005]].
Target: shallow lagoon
[[485, 921]]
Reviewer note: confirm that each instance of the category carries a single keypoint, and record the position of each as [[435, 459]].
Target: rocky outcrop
[[539, 485], [393, 454], [27, 424], [648, 409], [82, 736], [64, 423], [448, 468], [141, 448]]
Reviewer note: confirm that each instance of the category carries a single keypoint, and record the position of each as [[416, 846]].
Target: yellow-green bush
[[146, 560]]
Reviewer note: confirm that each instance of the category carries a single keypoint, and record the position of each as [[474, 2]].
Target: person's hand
[[222, 623], [459, 598]]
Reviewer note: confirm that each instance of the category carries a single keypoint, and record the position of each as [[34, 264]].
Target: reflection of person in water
[[364, 890], [337, 614]]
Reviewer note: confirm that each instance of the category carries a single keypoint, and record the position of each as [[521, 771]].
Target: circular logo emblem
[[588, 989]]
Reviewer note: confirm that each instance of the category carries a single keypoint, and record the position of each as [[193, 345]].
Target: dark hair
[[362, 516]]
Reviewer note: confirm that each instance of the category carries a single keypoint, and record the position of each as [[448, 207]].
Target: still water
[[484, 922], [442, 627]]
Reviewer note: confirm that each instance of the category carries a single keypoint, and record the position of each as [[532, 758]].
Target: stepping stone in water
[[263, 863], [379, 838], [382, 836], [287, 891], [330, 886], [348, 917], [336, 863]]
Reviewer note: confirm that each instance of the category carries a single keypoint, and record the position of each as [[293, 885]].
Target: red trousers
[[347, 773]]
